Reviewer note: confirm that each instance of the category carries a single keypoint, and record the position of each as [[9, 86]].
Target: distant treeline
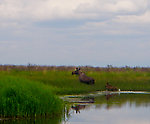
[[31, 67]]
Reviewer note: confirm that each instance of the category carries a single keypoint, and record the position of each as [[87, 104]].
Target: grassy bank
[[62, 82], [20, 97]]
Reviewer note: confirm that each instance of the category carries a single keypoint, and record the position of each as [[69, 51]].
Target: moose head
[[76, 71]]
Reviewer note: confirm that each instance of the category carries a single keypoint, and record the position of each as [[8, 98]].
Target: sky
[[75, 32]]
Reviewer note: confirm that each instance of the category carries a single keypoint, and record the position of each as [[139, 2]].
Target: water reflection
[[109, 108], [77, 108], [108, 96], [33, 121], [112, 109]]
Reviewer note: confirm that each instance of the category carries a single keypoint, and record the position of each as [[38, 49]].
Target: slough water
[[108, 107], [79, 98]]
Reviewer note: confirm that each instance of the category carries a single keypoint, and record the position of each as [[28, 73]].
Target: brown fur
[[110, 87], [82, 77]]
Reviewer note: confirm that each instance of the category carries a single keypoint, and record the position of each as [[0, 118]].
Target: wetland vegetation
[[106, 108], [23, 98], [32, 91]]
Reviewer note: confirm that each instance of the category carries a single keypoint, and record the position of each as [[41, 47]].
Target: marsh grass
[[20, 97], [62, 82], [32, 93]]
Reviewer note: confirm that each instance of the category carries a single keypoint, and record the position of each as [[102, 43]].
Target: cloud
[[77, 9], [76, 31], [94, 14], [134, 19], [115, 6], [39, 9]]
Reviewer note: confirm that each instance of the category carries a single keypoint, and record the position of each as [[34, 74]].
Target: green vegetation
[[62, 82], [20, 97], [55, 120], [31, 91]]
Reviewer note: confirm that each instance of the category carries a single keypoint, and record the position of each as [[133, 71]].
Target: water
[[101, 108], [110, 108], [126, 114]]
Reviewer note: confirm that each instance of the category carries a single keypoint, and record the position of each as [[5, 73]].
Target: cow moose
[[110, 87], [82, 77]]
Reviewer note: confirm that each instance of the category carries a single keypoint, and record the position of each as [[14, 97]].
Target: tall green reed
[[20, 97]]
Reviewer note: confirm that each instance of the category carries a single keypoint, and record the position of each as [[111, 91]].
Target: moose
[[110, 87], [82, 77]]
